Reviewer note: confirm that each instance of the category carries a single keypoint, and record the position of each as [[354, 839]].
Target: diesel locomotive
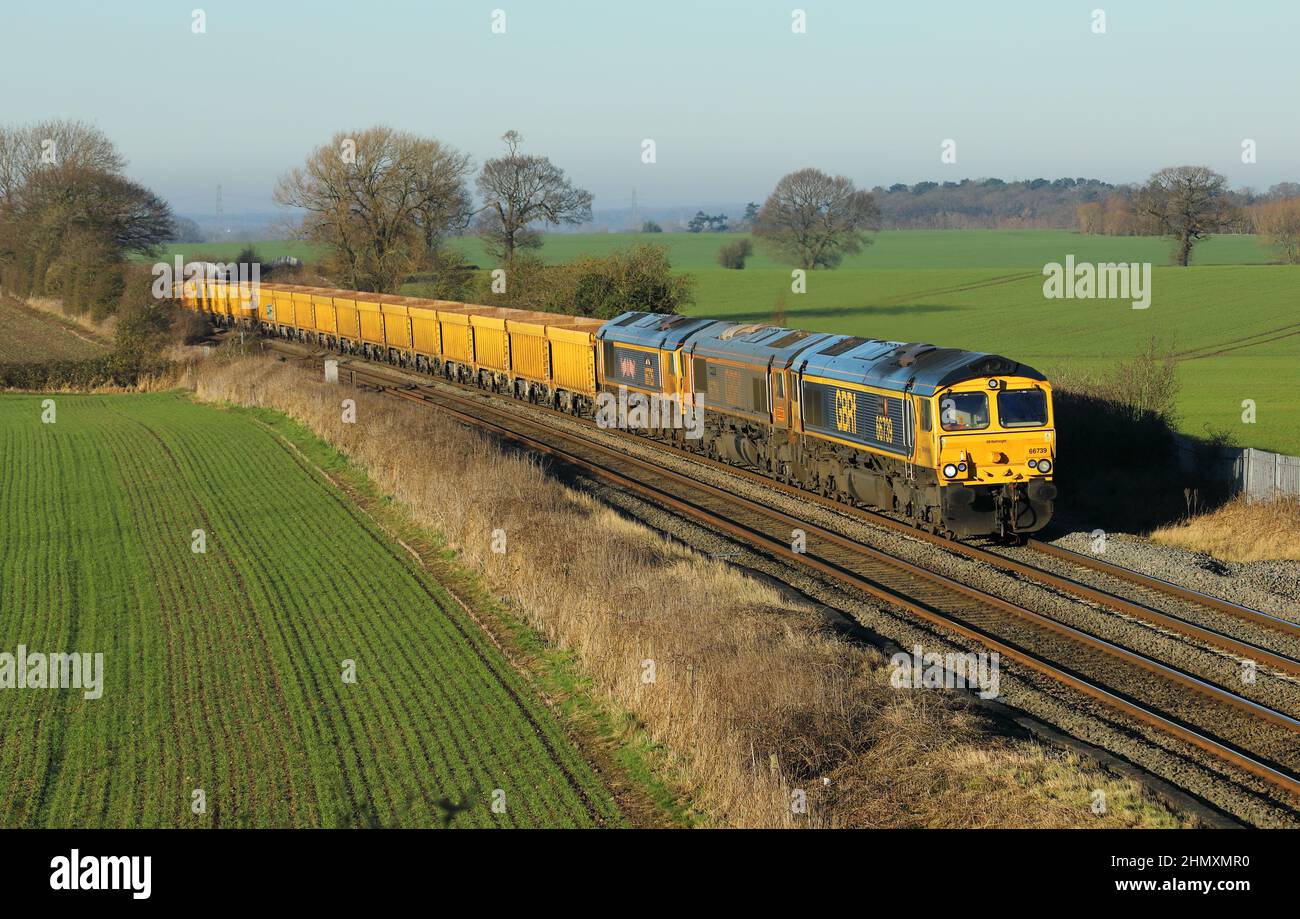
[[960, 443]]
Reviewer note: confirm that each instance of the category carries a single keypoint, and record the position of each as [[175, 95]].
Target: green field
[[1239, 327], [909, 249], [982, 290], [1238, 324], [229, 251], [223, 670], [891, 249]]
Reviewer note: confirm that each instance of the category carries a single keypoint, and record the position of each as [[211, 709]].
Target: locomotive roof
[[874, 362], [769, 344], [653, 330], [894, 364]]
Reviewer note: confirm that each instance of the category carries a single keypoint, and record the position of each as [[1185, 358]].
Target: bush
[[190, 328], [249, 256], [447, 277], [733, 254], [651, 227], [84, 374], [639, 278]]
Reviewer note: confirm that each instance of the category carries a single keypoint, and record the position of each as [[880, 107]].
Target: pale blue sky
[[731, 96]]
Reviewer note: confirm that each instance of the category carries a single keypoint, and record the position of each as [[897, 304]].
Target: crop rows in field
[[223, 669]]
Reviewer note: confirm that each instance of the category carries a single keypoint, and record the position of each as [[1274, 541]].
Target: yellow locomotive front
[[994, 442]]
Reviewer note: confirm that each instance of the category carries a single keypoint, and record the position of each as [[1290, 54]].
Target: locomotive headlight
[[1044, 466], [950, 471], [1033, 464], [961, 467]]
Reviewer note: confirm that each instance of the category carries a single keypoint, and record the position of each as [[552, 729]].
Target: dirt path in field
[[1237, 344], [1000, 280]]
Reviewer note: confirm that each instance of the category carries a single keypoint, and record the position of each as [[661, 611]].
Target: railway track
[[1235, 731], [1177, 591]]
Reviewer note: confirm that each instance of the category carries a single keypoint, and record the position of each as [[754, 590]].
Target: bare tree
[[519, 190], [1278, 222], [1089, 217], [1187, 203], [1118, 218], [814, 219], [440, 185], [27, 149], [381, 199]]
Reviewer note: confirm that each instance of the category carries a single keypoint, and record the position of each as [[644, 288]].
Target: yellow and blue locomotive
[[961, 443]]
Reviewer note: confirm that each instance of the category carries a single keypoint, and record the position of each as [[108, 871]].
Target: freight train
[[960, 443]]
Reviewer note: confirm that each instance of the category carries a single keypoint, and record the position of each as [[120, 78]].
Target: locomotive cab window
[[927, 422], [964, 411], [1022, 408]]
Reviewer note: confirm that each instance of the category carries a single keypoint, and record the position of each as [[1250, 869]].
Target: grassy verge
[[1240, 532]]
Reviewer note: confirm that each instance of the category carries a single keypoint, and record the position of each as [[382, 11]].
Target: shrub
[[447, 277], [733, 254], [639, 278]]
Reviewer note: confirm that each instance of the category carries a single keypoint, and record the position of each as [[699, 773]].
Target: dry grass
[[752, 698], [1241, 532]]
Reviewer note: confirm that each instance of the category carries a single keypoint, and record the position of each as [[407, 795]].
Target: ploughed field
[[223, 670], [27, 336]]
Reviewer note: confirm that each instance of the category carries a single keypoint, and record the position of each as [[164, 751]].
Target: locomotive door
[[780, 390]]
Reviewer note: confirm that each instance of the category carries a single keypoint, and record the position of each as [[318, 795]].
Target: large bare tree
[[1187, 203], [814, 220], [381, 200], [519, 190]]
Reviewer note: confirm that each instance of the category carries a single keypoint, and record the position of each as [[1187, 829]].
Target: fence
[[1267, 475], [1257, 474]]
